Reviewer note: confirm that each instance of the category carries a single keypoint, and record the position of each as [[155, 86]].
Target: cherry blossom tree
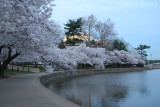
[[123, 57], [25, 30], [71, 57]]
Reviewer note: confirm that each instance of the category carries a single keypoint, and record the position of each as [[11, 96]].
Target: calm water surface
[[132, 89]]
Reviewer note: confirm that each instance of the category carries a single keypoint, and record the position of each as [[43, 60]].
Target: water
[[130, 89]]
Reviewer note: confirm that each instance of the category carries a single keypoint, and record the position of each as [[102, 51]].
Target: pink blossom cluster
[[71, 57]]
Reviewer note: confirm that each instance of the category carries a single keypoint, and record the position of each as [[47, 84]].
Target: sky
[[136, 21]]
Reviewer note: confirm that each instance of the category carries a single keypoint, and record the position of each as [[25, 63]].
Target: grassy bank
[[15, 72], [9, 73]]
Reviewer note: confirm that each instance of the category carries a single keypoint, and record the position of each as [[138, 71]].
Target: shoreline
[[63, 75]]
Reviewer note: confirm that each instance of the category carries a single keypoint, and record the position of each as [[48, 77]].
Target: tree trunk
[[10, 57], [2, 68], [102, 42], [35, 64], [89, 41]]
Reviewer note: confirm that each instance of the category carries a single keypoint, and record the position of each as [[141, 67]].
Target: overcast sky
[[136, 21]]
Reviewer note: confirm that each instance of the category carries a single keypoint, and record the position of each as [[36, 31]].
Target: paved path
[[27, 91]]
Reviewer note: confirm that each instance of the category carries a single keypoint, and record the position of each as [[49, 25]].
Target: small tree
[[93, 42], [105, 32], [89, 27], [141, 50], [62, 45], [119, 45]]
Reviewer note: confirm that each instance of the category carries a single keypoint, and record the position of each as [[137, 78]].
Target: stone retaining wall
[[62, 75]]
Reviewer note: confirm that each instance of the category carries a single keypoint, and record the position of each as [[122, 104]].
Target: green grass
[[14, 72], [42, 69]]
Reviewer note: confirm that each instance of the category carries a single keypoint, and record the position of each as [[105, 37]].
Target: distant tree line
[[98, 33]]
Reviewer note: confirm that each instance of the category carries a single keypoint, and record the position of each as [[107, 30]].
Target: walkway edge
[[57, 100]]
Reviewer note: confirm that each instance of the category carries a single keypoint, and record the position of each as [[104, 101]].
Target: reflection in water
[[136, 89]]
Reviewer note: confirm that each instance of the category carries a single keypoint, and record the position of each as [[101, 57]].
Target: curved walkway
[[27, 91]]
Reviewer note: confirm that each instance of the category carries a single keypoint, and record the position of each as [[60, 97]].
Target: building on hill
[[84, 38]]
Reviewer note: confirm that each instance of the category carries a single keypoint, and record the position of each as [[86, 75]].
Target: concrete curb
[[56, 99]]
